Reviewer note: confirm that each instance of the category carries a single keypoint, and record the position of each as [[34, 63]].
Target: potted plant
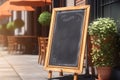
[[44, 19], [18, 23], [10, 28], [103, 32], [10, 25]]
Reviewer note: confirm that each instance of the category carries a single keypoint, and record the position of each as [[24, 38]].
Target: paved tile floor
[[21, 67], [24, 67]]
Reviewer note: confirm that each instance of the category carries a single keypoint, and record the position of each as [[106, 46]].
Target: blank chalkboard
[[66, 46], [66, 38]]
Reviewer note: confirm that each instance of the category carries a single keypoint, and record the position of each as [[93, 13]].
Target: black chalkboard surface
[[67, 38]]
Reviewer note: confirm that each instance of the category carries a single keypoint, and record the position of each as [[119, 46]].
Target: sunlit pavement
[[21, 67], [25, 67]]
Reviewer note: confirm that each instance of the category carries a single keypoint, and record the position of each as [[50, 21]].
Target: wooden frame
[[75, 69]]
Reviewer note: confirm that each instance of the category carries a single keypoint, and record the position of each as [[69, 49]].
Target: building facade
[[99, 8], [105, 8]]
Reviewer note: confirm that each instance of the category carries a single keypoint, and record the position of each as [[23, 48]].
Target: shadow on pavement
[[70, 77]]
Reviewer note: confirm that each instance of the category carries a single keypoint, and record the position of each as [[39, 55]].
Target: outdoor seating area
[[16, 43], [26, 45]]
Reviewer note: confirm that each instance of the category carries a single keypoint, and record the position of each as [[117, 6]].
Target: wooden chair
[[12, 45], [3, 40], [42, 43]]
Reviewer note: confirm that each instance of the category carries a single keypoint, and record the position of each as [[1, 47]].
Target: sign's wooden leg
[[50, 74], [75, 76]]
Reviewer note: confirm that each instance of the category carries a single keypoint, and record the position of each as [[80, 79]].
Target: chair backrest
[[42, 42], [3, 40], [11, 40]]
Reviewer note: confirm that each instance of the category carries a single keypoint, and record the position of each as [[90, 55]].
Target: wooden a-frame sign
[[67, 39]]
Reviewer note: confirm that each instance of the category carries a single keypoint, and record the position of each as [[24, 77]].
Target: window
[[105, 8], [59, 3]]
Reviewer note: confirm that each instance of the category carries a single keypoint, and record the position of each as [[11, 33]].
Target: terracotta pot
[[104, 73]]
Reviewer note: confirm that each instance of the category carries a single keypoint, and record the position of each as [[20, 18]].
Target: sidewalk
[[21, 67], [25, 67]]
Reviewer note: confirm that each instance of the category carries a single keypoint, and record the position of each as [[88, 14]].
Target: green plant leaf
[[18, 23], [44, 18], [10, 26], [104, 31]]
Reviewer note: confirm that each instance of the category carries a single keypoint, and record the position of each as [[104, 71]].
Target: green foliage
[[10, 26], [103, 27], [104, 31], [14, 24], [3, 29], [44, 18], [18, 23]]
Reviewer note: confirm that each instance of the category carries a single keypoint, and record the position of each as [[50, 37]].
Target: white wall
[[70, 2]]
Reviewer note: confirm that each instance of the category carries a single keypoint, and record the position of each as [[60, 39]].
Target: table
[[24, 44]]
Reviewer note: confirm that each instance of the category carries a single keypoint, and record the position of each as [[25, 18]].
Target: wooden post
[[50, 74], [75, 76]]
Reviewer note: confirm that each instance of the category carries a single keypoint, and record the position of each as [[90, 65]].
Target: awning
[[7, 6], [4, 14], [31, 2]]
